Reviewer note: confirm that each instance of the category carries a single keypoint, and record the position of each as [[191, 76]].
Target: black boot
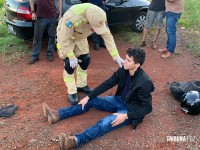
[[73, 99], [103, 45], [96, 46], [33, 60], [85, 89]]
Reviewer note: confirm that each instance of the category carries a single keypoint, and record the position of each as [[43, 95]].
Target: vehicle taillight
[[24, 13]]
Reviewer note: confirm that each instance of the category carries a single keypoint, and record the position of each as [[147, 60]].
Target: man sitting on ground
[[130, 104]]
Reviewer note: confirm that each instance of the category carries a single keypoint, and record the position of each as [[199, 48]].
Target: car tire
[[138, 22]]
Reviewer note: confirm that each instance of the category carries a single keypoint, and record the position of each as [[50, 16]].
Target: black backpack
[[179, 88]]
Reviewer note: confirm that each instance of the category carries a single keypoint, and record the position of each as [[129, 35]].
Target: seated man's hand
[[120, 61], [120, 119], [83, 102]]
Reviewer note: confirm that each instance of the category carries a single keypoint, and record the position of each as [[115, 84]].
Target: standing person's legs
[[82, 53], [70, 83], [148, 24], [145, 32], [171, 22], [39, 28], [51, 29], [95, 39], [81, 77], [159, 23], [102, 43]]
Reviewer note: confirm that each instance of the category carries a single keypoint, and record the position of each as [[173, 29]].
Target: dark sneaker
[[33, 60], [66, 142], [96, 46], [52, 115], [50, 58], [103, 45], [143, 44], [73, 99], [85, 89]]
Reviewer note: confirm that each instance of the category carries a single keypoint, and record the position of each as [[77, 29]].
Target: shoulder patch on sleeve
[[68, 24]]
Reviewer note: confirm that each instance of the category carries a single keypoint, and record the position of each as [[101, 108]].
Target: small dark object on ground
[[8, 111]]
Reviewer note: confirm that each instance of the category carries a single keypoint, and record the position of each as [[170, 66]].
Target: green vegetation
[[190, 20], [1, 3], [10, 46], [191, 14]]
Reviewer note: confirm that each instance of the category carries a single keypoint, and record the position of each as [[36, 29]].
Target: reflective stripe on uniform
[[81, 72], [80, 8], [70, 54], [68, 79], [80, 22], [58, 46], [114, 53]]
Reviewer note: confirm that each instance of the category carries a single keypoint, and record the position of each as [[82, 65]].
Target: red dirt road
[[29, 86]]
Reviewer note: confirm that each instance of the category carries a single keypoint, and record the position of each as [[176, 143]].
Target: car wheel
[[138, 22]]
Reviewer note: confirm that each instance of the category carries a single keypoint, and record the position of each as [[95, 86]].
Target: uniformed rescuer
[[79, 22]]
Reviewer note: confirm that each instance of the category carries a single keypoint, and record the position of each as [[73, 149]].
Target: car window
[[72, 2]]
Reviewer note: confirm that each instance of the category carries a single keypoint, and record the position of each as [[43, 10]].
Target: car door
[[118, 13]]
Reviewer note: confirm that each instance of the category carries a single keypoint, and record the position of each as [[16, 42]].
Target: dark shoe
[[143, 44], [96, 46], [73, 99], [50, 58], [33, 60], [66, 142], [52, 115], [103, 45], [85, 89]]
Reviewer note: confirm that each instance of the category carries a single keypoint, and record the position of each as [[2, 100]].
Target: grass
[[191, 14], [190, 20], [11, 47], [1, 3]]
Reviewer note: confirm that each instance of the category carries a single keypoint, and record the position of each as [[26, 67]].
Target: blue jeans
[[40, 26], [171, 22], [109, 103]]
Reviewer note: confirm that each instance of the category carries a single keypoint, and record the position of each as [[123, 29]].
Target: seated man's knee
[[84, 61], [67, 67], [106, 122]]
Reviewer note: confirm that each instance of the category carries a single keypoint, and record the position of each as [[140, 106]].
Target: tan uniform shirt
[[177, 6], [73, 28]]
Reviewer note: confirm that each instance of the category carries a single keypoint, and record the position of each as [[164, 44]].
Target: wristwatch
[[32, 11]]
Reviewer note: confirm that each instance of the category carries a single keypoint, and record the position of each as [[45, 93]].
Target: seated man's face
[[129, 63]]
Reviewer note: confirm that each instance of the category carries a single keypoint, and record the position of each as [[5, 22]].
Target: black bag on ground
[[179, 88], [8, 111]]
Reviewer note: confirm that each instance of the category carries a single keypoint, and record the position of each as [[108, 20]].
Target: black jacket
[[138, 99]]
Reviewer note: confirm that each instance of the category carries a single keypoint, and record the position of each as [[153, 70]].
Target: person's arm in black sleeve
[[145, 98], [106, 85]]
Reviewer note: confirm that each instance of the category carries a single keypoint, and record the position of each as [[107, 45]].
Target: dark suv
[[119, 13]]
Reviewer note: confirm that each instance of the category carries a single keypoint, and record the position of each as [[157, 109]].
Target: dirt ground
[[29, 86]]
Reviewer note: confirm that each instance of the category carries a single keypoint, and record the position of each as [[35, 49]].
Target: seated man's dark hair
[[138, 54]]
